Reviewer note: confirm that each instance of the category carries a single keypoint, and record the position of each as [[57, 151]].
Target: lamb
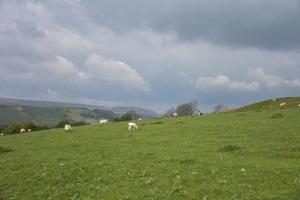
[[68, 128], [23, 130], [103, 121], [132, 126], [282, 104]]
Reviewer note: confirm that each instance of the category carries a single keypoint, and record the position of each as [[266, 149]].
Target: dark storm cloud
[[250, 23]]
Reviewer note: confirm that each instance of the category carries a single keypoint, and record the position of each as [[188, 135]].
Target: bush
[[79, 123], [35, 127], [73, 123], [14, 128], [62, 123]]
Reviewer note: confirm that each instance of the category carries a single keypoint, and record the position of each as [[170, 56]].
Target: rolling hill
[[233, 155], [51, 113]]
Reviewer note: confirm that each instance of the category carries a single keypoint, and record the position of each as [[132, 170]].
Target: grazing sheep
[[68, 128], [29, 130], [103, 121], [132, 126], [175, 114], [282, 104], [2, 134], [140, 119], [299, 104], [23, 130]]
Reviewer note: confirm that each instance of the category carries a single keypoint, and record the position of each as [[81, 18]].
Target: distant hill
[[51, 113], [290, 102]]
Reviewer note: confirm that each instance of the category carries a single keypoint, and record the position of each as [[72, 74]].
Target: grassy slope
[[181, 158], [291, 102]]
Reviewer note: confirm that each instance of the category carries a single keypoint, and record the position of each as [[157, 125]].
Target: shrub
[[62, 123], [79, 123], [14, 128]]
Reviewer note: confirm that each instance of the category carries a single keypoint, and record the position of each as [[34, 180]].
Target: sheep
[[103, 121], [274, 99], [175, 114], [29, 130], [68, 128], [132, 126], [140, 119], [2, 134], [282, 104], [299, 104], [23, 130]]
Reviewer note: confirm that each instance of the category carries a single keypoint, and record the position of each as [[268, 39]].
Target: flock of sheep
[[131, 125]]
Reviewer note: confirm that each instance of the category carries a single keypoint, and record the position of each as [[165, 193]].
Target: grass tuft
[[229, 148], [276, 116], [5, 150]]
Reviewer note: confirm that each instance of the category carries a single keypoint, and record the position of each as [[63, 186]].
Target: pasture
[[236, 155]]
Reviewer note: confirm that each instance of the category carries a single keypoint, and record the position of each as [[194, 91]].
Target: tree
[[169, 112], [219, 108], [186, 109], [130, 115]]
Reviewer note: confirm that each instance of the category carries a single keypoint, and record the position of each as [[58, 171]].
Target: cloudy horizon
[[150, 54]]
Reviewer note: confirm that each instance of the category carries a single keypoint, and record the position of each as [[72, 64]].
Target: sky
[[153, 54]]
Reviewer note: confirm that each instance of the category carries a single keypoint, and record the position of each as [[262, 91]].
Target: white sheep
[[132, 126], [103, 121], [29, 130], [23, 130], [2, 134], [282, 104], [68, 128], [175, 114]]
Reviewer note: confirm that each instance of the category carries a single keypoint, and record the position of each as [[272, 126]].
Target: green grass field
[[236, 155]]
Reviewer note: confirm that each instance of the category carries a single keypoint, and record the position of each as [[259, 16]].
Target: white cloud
[[224, 82], [52, 93], [64, 68], [115, 72], [271, 80], [181, 73], [66, 39]]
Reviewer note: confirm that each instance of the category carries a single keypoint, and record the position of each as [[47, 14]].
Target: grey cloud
[[169, 44], [251, 23]]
